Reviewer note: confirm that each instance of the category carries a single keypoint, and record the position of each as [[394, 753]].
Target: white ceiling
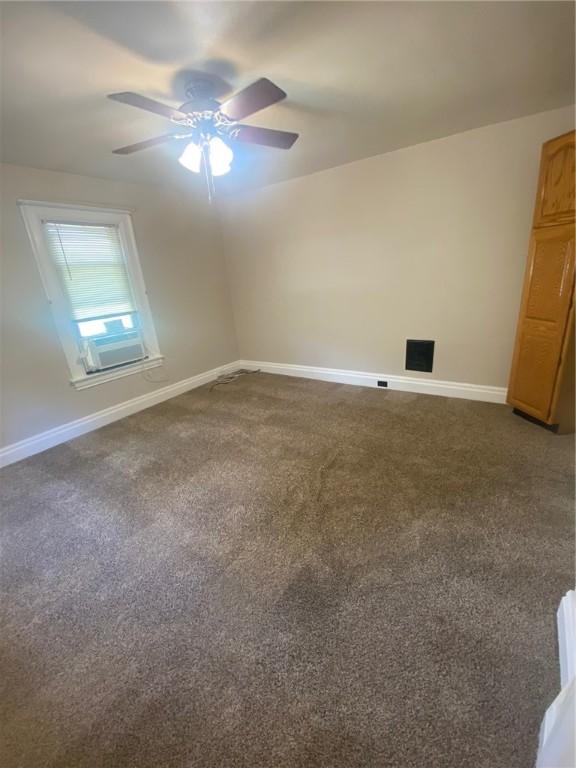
[[362, 77]]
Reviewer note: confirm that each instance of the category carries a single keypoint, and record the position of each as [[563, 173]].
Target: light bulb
[[220, 157], [191, 157]]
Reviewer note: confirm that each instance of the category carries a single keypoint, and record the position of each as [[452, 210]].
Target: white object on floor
[[557, 747], [567, 637]]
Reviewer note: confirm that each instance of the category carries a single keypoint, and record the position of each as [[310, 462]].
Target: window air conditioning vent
[[113, 351]]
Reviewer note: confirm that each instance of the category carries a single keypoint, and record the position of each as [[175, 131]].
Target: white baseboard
[[482, 392], [65, 432]]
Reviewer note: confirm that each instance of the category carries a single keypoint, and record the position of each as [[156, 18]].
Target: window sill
[[93, 379]]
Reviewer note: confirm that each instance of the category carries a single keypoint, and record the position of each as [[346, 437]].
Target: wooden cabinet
[[542, 376], [543, 320], [555, 196]]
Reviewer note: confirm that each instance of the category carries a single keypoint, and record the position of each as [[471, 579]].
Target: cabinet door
[[548, 292], [555, 196]]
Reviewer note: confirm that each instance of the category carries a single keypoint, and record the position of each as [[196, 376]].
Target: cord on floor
[[227, 378]]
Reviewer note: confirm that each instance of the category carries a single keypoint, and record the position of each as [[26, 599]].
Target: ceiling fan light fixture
[[191, 158], [221, 157], [207, 119]]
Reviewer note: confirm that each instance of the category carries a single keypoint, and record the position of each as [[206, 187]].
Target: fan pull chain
[[208, 170]]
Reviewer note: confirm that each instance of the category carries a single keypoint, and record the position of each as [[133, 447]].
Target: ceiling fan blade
[[263, 93], [265, 136], [144, 144], [150, 105]]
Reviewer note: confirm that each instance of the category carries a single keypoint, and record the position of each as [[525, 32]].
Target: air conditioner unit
[[112, 351]]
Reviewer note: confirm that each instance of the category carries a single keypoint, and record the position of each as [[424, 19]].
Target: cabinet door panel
[[555, 196], [548, 290]]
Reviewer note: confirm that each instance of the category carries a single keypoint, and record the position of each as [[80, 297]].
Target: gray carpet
[[284, 573]]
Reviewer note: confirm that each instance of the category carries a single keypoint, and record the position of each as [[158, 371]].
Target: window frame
[[34, 214]]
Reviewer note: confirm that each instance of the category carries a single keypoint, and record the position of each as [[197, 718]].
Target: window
[[89, 266]]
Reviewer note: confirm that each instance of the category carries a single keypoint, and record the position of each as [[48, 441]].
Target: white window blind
[[88, 260], [91, 267]]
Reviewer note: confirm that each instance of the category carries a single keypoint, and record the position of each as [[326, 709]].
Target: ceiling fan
[[207, 124]]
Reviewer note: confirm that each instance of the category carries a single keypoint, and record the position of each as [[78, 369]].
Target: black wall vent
[[419, 355]]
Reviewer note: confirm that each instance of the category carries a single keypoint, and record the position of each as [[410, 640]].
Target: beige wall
[[181, 255], [339, 268], [334, 269]]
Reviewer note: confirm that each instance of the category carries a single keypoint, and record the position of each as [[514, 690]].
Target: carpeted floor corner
[[284, 573]]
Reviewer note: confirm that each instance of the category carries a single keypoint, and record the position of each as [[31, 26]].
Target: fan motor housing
[[200, 104], [201, 92]]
